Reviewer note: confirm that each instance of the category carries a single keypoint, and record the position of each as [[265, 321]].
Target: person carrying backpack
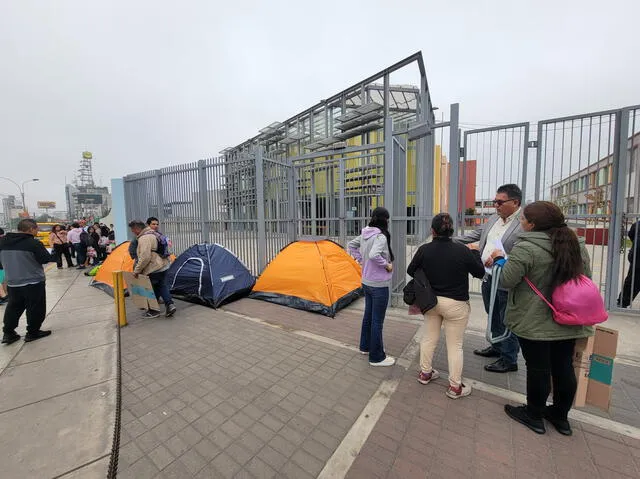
[[152, 260], [548, 255]]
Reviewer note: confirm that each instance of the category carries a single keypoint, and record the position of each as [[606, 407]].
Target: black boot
[[521, 414]]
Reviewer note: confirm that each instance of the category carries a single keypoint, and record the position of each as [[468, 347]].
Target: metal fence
[[256, 201]]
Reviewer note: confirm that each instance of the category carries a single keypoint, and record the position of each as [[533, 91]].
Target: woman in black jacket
[[447, 266]]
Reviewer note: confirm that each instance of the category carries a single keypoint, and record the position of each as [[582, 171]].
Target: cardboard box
[[141, 291], [593, 361], [581, 361]]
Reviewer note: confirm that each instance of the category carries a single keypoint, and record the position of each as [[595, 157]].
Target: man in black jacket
[[22, 257], [631, 286]]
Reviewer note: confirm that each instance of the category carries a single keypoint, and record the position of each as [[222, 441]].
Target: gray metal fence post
[[620, 173], [262, 230], [291, 184], [203, 200], [525, 163], [160, 196], [388, 164], [342, 213], [454, 163], [538, 178]]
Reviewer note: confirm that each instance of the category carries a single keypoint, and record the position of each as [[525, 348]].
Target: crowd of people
[[530, 242], [89, 245]]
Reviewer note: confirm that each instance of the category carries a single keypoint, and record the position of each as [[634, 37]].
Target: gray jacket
[[22, 257], [480, 234]]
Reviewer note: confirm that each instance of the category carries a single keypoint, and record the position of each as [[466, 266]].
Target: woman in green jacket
[[549, 254]]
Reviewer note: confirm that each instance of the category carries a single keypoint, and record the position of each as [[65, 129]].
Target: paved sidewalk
[[422, 433], [57, 395], [209, 394], [260, 390]]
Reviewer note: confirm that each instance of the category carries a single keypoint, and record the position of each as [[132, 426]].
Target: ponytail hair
[[442, 225], [546, 216], [380, 220]]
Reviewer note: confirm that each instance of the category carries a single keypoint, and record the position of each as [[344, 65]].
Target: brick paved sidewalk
[[211, 395], [625, 398], [422, 433]]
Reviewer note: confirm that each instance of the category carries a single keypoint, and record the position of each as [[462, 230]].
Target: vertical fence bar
[[260, 214], [202, 200], [525, 161], [454, 164], [620, 172], [342, 213], [538, 163], [160, 197]]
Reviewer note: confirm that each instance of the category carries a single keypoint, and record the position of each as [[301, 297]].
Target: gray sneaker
[[151, 314], [171, 309]]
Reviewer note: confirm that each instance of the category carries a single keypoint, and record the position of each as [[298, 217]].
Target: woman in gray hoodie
[[372, 249]]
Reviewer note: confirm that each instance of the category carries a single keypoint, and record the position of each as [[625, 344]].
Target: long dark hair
[[442, 225], [546, 216], [380, 220]]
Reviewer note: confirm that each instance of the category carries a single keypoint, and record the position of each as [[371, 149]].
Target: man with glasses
[[501, 231]]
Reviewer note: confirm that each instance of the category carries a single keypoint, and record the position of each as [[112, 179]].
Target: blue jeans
[[376, 301], [510, 347], [160, 287]]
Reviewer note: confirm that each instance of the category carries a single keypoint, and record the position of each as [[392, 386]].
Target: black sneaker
[[521, 414], [561, 425], [4, 300], [36, 335], [171, 310], [10, 338], [151, 314]]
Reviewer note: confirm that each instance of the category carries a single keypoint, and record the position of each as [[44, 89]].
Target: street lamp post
[[21, 189]]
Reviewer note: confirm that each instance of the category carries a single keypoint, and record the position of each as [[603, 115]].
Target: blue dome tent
[[209, 274]]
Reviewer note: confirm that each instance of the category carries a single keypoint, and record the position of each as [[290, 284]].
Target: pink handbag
[[575, 303]]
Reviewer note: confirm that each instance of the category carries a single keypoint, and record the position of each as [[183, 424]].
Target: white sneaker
[[388, 361], [459, 392]]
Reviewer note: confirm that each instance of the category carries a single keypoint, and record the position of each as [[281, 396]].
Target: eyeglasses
[[500, 202]]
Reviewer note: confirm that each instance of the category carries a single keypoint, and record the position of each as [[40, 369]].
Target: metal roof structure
[[353, 112]]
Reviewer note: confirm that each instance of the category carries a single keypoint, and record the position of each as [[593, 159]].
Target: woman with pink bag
[[549, 256]]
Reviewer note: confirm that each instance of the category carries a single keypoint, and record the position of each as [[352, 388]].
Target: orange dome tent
[[118, 260], [317, 276]]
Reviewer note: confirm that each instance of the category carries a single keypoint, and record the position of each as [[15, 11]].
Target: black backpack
[[84, 238]]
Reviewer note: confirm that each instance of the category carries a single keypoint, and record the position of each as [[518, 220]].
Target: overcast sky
[[147, 84]]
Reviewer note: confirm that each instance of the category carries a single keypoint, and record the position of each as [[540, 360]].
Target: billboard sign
[[88, 198], [46, 205]]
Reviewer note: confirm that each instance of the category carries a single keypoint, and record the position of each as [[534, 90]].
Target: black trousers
[[549, 362], [33, 298], [631, 286], [62, 250]]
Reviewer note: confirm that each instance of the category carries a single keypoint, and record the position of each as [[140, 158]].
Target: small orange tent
[[317, 276], [118, 260]]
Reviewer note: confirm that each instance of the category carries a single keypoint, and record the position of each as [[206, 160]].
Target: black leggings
[[547, 362]]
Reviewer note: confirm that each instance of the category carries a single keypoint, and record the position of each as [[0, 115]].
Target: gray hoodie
[[370, 249], [22, 257]]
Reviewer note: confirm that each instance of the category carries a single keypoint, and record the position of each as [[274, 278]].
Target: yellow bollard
[[118, 297]]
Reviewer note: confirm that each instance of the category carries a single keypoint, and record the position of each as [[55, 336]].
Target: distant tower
[[85, 172]]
